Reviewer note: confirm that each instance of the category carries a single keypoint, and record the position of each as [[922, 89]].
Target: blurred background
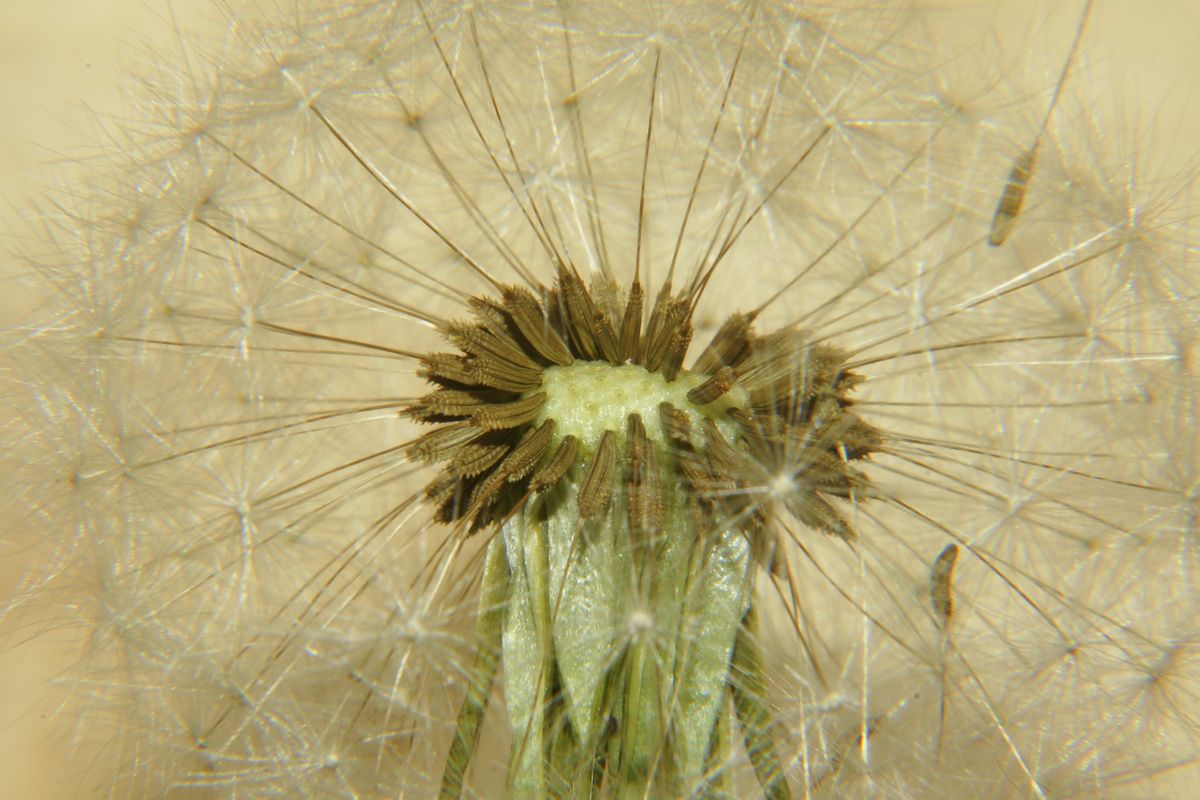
[[66, 70], [64, 79]]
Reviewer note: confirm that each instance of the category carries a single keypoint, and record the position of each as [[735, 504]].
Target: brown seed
[[556, 467], [784, 366], [533, 324], [631, 323], [445, 493], [727, 346], [596, 491], [441, 487], [676, 425], [473, 459], [645, 496], [528, 452], [482, 496], [1013, 197], [441, 442], [940, 580], [494, 416], [654, 324], [722, 454], [636, 442], [677, 347], [504, 375], [478, 341], [815, 511], [449, 403], [589, 328], [669, 327], [717, 385], [491, 315], [449, 368]]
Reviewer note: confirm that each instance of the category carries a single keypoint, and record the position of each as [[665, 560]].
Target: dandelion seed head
[[380, 288]]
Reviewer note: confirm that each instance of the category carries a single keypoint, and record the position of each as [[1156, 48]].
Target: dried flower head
[[693, 399], [552, 377]]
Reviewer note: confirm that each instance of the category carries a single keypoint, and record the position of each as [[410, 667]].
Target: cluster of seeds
[[774, 413]]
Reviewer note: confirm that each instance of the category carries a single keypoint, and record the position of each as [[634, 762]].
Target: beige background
[[64, 67], [62, 64], [61, 84]]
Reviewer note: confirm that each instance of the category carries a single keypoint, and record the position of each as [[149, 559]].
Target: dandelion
[[662, 400]]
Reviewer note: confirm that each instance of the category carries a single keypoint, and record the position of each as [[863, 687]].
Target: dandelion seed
[[1013, 197], [1015, 188], [940, 584], [942, 598]]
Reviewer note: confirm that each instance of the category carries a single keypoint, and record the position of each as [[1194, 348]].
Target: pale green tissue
[[579, 594]]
